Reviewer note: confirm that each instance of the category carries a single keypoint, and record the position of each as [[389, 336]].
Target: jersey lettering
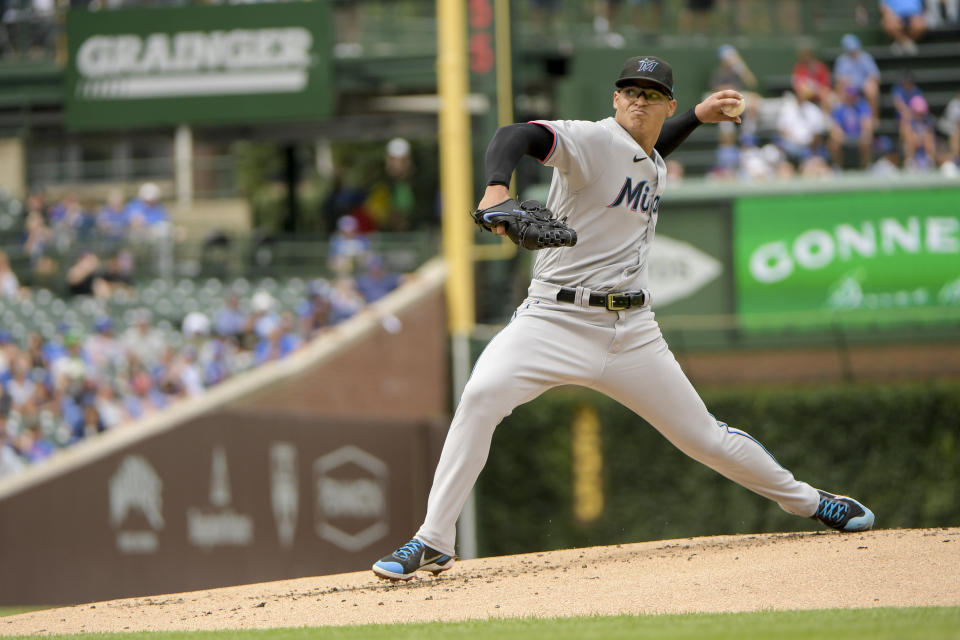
[[634, 196]]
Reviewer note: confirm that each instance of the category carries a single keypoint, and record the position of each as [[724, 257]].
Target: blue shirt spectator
[[377, 281], [146, 210], [855, 67], [230, 321], [849, 116], [113, 220]]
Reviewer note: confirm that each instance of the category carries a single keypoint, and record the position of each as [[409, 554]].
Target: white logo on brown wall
[[351, 504], [283, 490], [220, 525], [135, 488]]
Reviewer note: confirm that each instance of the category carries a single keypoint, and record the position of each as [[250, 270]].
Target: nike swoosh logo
[[636, 159]]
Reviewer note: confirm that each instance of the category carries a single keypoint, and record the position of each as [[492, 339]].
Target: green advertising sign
[[228, 64], [885, 257]]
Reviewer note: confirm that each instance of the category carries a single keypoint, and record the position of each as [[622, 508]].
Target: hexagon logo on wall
[[351, 499]]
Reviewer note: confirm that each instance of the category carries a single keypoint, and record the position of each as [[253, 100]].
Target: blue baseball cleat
[[843, 513], [410, 558]]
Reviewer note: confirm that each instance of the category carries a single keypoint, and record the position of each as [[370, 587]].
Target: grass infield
[[12, 611], [926, 623]]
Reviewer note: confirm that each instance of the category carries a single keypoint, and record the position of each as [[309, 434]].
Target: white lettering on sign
[[678, 269], [194, 63], [220, 526], [362, 498], [818, 248], [351, 510]]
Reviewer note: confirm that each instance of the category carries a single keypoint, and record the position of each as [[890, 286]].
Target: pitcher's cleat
[[410, 558], [843, 513]]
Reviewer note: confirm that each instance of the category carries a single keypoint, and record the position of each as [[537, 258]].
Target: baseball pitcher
[[587, 319]]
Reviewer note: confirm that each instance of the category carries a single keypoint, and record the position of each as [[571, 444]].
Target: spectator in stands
[[112, 219], [10, 460], [345, 300], [857, 69], [20, 386], [376, 282], [37, 238], [903, 21], [853, 122], [800, 125], [264, 316], [392, 202], [349, 250], [230, 321], [278, 340], [216, 360], [109, 408], [101, 349], [33, 445], [117, 274], [146, 211], [71, 220], [727, 162], [91, 425], [919, 141], [84, 274], [35, 354], [9, 283], [950, 124], [902, 92], [345, 199], [733, 73], [141, 338], [316, 312], [811, 74]]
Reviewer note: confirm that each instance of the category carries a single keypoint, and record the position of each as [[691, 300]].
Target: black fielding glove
[[529, 224]]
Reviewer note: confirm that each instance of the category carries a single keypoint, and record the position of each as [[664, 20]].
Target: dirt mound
[[897, 567]]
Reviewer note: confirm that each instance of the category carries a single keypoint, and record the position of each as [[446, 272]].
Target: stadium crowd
[[810, 129], [60, 387]]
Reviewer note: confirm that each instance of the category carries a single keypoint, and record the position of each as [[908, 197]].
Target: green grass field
[[12, 611], [932, 623]]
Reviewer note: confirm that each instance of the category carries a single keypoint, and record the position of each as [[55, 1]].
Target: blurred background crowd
[[101, 349]]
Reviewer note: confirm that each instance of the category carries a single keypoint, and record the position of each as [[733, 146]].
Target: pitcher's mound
[[898, 567]]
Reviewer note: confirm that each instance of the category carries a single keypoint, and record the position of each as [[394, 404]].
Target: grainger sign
[[199, 64]]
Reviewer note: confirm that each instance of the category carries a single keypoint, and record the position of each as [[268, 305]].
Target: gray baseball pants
[[618, 353]]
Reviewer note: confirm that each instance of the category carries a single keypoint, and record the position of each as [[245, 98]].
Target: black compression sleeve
[[510, 143], [675, 131]]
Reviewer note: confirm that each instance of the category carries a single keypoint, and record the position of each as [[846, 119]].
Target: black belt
[[612, 301]]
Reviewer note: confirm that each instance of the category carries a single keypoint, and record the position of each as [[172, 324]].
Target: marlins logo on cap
[[648, 69], [646, 65]]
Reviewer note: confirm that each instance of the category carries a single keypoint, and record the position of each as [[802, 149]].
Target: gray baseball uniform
[[611, 190]]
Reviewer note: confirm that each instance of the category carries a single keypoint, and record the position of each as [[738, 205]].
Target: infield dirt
[[895, 567]]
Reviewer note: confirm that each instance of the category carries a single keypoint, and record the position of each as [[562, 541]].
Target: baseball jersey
[[610, 190]]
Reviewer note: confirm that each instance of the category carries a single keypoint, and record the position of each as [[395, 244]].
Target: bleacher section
[[936, 70]]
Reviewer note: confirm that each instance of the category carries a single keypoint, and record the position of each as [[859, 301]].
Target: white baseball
[[733, 110]]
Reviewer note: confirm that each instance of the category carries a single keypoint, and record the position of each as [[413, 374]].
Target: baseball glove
[[529, 224]]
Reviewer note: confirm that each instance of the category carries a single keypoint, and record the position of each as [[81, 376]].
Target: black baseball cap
[[650, 69]]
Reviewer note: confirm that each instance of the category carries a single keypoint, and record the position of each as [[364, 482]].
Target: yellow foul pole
[[456, 180], [456, 171]]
